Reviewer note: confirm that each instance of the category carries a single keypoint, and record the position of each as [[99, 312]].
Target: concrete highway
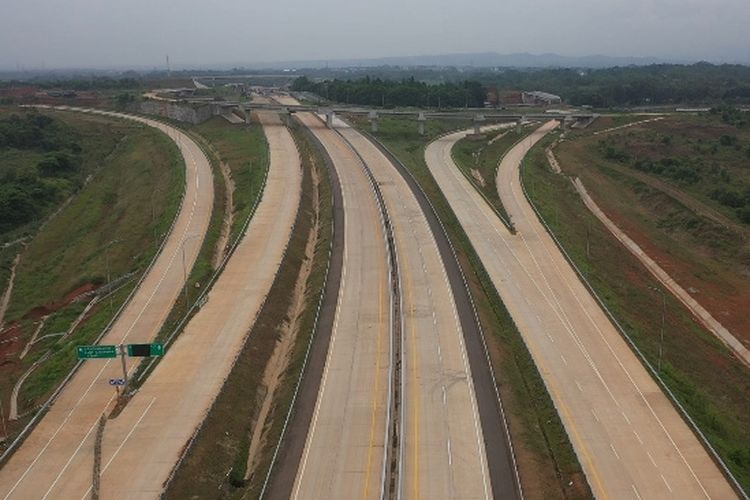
[[344, 454], [630, 440], [37, 467], [442, 451]]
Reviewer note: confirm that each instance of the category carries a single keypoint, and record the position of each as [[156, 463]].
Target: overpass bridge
[[478, 115]]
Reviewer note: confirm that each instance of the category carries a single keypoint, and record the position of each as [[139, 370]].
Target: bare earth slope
[[631, 441]]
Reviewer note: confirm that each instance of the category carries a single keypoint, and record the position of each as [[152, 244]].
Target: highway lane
[[630, 440], [147, 438], [442, 447], [69, 425], [344, 452]]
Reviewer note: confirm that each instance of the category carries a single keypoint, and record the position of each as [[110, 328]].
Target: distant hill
[[481, 59]]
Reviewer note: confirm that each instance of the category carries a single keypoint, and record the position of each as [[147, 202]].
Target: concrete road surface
[[344, 455], [630, 440], [38, 466], [442, 447], [142, 445]]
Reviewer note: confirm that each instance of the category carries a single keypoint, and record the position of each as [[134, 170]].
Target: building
[[537, 97]]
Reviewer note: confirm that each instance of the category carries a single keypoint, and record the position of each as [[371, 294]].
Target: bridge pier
[[373, 116], [330, 115], [478, 120], [421, 119]]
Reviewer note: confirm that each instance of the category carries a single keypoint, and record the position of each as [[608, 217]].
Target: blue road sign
[[117, 381]]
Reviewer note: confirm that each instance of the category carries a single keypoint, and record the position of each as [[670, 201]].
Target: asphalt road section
[[442, 452], [344, 453], [631, 441], [36, 468]]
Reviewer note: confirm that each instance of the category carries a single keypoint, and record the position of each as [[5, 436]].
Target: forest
[[28, 191]]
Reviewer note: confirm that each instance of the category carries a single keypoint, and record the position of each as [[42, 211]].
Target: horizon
[[382, 61]]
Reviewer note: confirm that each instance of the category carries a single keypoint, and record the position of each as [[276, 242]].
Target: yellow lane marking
[[375, 392]]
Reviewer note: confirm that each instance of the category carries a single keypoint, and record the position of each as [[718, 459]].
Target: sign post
[[97, 351], [124, 366]]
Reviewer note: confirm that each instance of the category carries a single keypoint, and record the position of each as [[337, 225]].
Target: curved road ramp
[[142, 445], [64, 437], [631, 441]]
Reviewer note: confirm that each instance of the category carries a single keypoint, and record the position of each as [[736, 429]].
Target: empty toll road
[[68, 429], [442, 453], [344, 453], [631, 441], [148, 437]]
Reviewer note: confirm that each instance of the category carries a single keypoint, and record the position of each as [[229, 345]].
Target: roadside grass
[[245, 150], [216, 462], [548, 466], [705, 377], [121, 205], [478, 160], [703, 244], [71, 250]]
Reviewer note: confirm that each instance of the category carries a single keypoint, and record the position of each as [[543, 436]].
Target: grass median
[[216, 463]]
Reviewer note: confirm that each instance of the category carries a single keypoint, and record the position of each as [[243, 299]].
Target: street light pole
[[663, 320], [663, 324]]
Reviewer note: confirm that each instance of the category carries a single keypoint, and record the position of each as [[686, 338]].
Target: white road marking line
[[594, 414], [450, 455], [638, 437], [652, 459], [637, 495], [578, 384], [614, 450], [564, 360], [625, 416], [445, 397], [666, 483], [550, 337]]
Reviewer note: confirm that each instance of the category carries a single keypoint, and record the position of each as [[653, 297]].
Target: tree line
[[27, 192], [395, 93]]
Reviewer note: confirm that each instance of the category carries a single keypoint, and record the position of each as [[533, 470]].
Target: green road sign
[[145, 350], [97, 351]]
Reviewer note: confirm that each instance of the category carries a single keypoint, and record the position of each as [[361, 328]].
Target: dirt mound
[[47, 309]]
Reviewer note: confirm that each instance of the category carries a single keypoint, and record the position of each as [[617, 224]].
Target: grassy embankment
[[479, 159], [547, 463], [216, 462], [706, 378], [129, 167]]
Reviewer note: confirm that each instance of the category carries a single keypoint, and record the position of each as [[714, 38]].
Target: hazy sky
[[116, 33]]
